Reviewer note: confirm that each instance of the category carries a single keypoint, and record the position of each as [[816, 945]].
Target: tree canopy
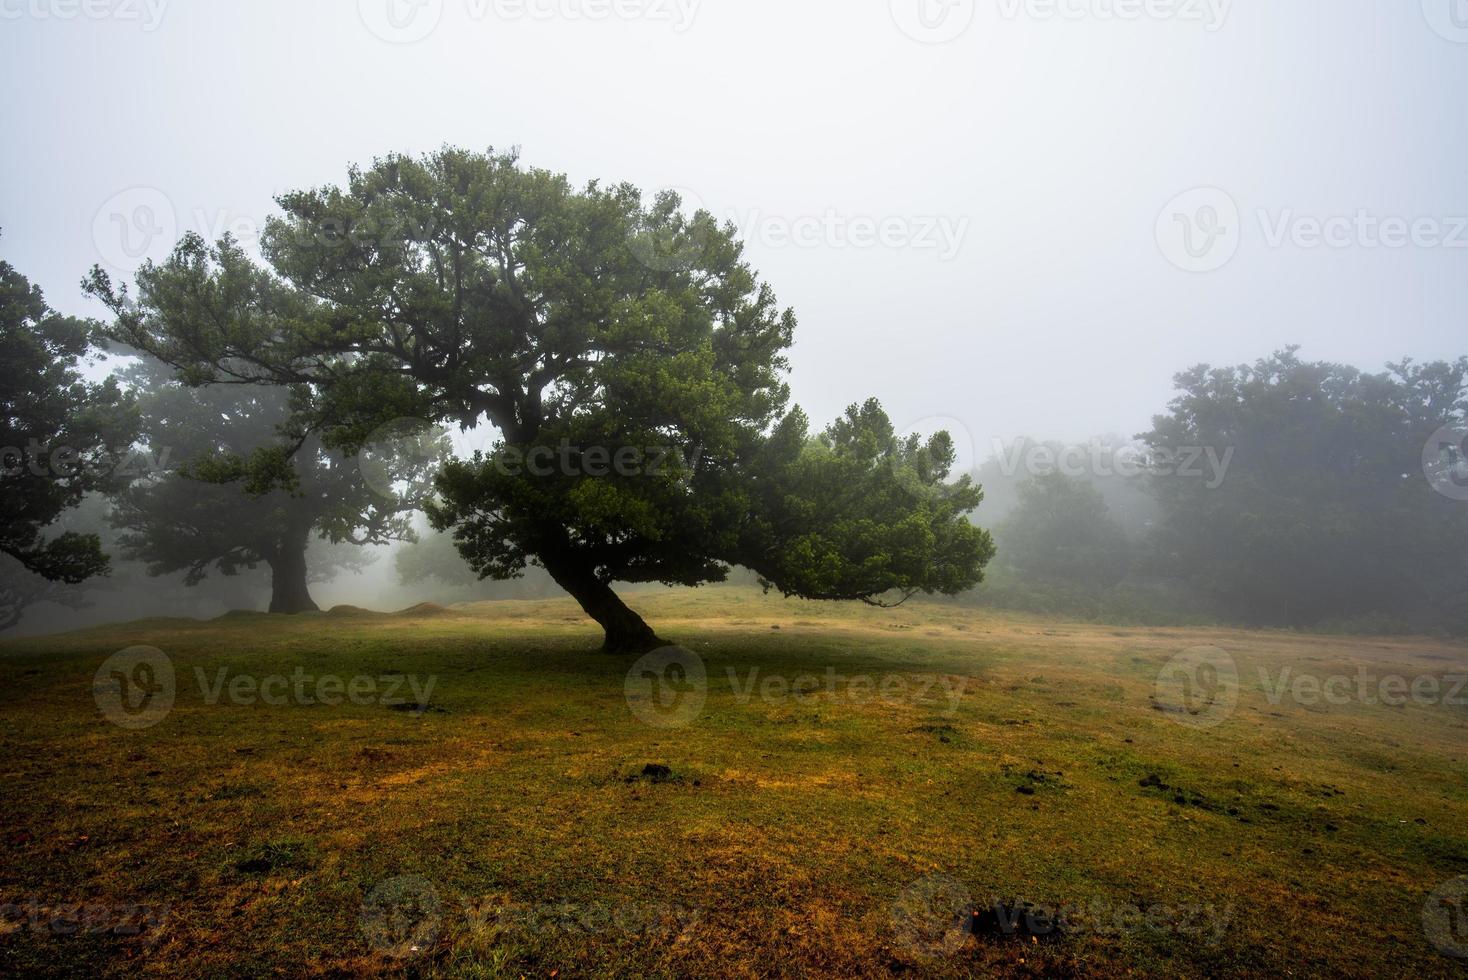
[[62, 437], [1324, 511], [631, 362]]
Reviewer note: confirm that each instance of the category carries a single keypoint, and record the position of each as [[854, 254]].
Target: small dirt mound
[[239, 614], [655, 773], [423, 609], [347, 612], [1016, 919]]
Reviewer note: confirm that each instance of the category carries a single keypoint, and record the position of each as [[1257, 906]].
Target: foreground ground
[[852, 779]]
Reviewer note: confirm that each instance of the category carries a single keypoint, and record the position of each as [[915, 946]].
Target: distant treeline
[[1283, 493]]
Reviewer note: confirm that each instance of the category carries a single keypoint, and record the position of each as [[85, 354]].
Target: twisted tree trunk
[[625, 631]]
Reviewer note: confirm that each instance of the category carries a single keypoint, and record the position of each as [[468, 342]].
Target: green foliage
[[62, 437], [861, 511], [238, 494], [1061, 534], [1325, 512], [581, 324]]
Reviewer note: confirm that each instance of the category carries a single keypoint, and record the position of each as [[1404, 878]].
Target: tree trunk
[[288, 590], [625, 630]]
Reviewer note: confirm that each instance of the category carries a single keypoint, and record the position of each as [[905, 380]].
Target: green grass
[[784, 833]]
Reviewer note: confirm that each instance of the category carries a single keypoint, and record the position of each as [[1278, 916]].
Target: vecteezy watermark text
[[137, 687], [66, 462], [668, 687], [1201, 230], [403, 917], [1200, 686], [301, 688], [146, 13], [1099, 458], [935, 916], [82, 918], [836, 687], [410, 21], [1211, 14]]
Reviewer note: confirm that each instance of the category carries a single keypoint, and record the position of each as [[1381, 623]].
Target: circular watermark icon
[[933, 917], [401, 21], [135, 688], [1445, 918], [1199, 687], [131, 225], [401, 917], [1199, 230], [664, 249], [1445, 461], [933, 21], [398, 461], [1448, 18], [667, 687], [965, 446]]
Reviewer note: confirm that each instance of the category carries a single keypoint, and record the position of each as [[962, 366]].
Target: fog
[[1023, 166], [1005, 220], [803, 488]]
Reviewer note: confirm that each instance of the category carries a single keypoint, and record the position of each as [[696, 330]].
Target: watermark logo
[[667, 688], [933, 917], [1364, 687], [399, 459], [135, 688], [965, 446], [1445, 461], [1199, 230], [1199, 687], [401, 917], [1449, 18], [400, 21], [131, 225], [933, 21], [664, 249], [1445, 918]]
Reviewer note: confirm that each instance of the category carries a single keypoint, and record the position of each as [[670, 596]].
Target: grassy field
[[852, 780]]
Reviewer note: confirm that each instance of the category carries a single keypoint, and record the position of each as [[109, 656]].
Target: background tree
[[62, 437], [1325, 511], [218, 509], [1061, 533], [582, 324]]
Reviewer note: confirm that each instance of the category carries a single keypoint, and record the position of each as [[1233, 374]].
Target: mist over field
[[693, 488]]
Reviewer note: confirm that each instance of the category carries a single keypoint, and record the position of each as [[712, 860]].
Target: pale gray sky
[[973, 206]]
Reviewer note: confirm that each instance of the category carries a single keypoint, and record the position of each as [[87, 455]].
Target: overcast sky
[[1020, 216]]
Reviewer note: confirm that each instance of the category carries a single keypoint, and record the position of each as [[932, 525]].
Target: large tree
[[242, 489], [631, 361], [61, 436]]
